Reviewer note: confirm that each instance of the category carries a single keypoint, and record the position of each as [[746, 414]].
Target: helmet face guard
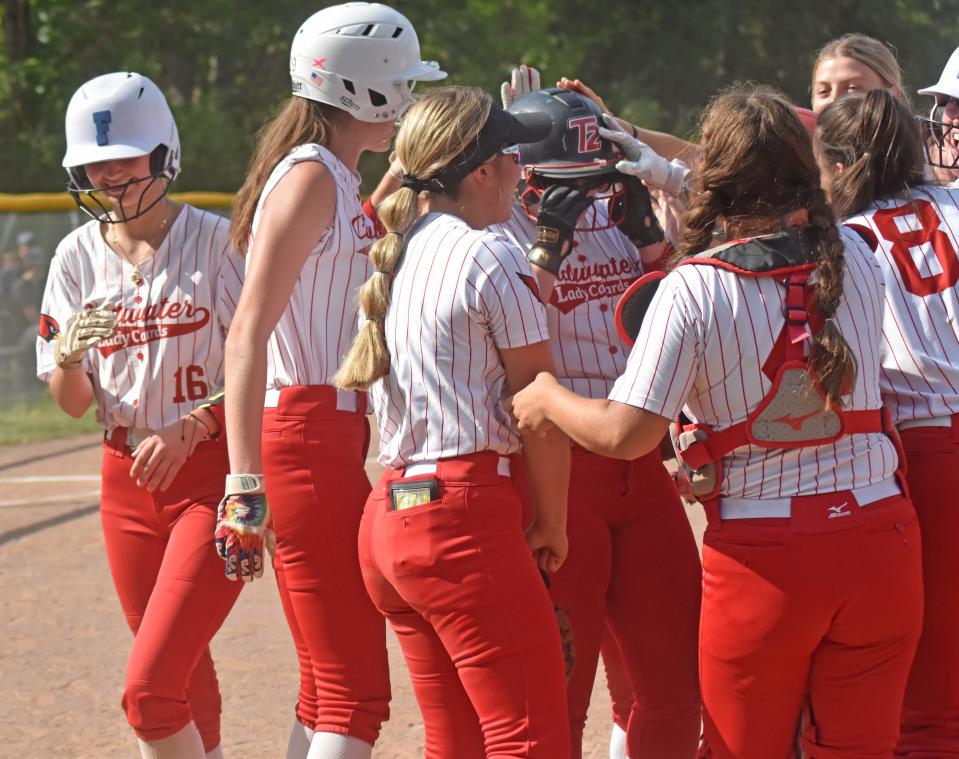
[[92, 201], [937, 137], [603, 188]]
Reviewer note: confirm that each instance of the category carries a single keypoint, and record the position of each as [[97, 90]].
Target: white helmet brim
[[426, 71], [81, 155]]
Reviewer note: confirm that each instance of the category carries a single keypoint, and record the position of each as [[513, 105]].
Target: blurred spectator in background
[[9, 317], [26, 294], [25, 242]]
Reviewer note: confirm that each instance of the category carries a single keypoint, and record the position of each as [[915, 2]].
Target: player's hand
[[522, 81], [158, 459], [669, 210], [82, 332], [559, 209], [575, 85], [242, 521], [683, 485], [529, 406], [642, 161], [549, 546]]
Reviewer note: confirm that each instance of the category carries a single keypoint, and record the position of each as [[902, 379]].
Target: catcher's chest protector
[[793, 414]]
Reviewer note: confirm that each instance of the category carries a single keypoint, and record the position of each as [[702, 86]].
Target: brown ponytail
[[299, 122], [878, 140], [757, 167], [433, 132]]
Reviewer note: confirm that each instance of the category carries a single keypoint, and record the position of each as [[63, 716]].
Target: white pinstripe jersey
[[460, 296], [587, 349], [319, 324], [916, 244], [167, 353], [708, 339]]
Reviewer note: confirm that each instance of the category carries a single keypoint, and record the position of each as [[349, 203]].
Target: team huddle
[[541, 305]]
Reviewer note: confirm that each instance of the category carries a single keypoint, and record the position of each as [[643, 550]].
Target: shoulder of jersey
[[312, 151], [84, 237]]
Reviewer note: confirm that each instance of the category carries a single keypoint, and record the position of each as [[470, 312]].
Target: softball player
[[812, 577], [300, 219], [941, 132], [452, 323], [632, 556], [871, 153], [134, 318], [853, 63]]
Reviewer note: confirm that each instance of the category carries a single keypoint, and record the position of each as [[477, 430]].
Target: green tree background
[[224, 63]]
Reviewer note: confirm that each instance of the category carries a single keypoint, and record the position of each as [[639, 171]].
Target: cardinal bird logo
[[48, 328], [531, 283]]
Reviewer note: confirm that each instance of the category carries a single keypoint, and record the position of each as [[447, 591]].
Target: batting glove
[[644, 162], [522, 81], [241, 525], [82, 332], [559, 209]]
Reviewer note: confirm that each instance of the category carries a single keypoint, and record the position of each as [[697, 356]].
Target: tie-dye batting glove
[[241, 523]]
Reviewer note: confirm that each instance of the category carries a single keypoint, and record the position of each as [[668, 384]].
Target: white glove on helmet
[[644, 162], [522, 81], [121, 115], [360, 57]]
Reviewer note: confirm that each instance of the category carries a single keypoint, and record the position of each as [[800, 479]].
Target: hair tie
[[413, 183], [384, 272], [433, 184], [394, 232]]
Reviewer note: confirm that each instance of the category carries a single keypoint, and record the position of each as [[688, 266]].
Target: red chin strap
[[591, 220]]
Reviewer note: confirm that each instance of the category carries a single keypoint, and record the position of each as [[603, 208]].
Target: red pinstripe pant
[[456, 581], [313, 462], [633, 565], [171, 586], [930, 715], [809, 610]]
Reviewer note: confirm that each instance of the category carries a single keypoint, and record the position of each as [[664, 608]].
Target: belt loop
[[955, 428]]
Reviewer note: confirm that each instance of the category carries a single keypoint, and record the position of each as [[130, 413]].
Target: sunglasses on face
[[512, 151]]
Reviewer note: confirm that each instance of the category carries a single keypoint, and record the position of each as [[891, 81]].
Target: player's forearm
[[669, 146], [245, 388], [389, 184], [547, 462], [546, 280], [72, 390], [607, 428]]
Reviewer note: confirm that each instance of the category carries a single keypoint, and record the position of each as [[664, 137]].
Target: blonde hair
[[434, 131], [868, 51], [299, 122]]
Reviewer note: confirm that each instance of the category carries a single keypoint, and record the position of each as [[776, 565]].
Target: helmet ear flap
[[78, 176], [158, 159]]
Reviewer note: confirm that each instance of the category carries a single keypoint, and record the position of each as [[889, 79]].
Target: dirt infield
[[65, 641]]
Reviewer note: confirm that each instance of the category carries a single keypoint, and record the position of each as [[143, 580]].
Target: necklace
[[136, 277]]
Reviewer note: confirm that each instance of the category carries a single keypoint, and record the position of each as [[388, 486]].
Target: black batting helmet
[[573, 148]]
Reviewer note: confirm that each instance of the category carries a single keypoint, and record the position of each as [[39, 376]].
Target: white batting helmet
[[948, 84], [121, 115], [363, 58], [116, 116]]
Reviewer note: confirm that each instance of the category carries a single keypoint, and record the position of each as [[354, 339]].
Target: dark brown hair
[[878, 140], [299, 122], [757, 167]]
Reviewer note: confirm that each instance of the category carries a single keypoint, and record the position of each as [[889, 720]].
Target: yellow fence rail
[[38, 202]]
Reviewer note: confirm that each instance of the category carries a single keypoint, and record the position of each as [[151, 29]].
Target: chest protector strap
[[793, 414]]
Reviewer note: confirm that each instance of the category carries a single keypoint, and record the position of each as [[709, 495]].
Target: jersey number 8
[[928, 233]]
